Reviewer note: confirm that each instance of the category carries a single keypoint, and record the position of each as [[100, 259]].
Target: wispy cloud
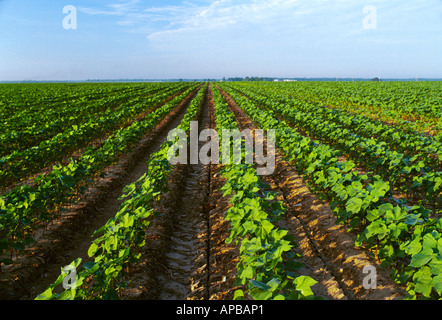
[[223, 13], [121, 8], [191, 17], [340, 19]]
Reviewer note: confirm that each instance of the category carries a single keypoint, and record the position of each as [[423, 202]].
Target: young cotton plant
[[116, 248], [267, 263], [121, 237]]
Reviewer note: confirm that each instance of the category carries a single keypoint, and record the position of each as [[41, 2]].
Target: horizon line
[[225, 79]]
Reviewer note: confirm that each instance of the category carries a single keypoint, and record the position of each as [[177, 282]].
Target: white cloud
[[121, 8], [257, 23], [167, 20]]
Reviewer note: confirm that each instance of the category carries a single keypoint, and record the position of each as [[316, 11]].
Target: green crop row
[[267, 266], [123, 235], [412, 172], [27, 208], [405, 239], [21, 164], [414, 106], [28, 128]]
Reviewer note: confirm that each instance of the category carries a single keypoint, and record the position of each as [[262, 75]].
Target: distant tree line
[[249, 79]]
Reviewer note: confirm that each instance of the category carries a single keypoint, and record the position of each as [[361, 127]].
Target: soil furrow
[[185, 275], [174, 264]]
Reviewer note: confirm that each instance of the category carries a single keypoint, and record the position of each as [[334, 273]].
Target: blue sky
[[220, 38]]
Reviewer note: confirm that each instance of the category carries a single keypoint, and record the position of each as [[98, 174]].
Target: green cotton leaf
[[340, 191], [413, 219], [377, 228], [247, 273], [436, 264], [429, 241], [437, 284], [259, 294], [439, 224], [397, 214], [67, 295], [348, 165], [253, 245], [354, 205], [355, 188], [285, 246], [47, 295], [277, 234], [439, 245], [250, 177], [238, 295], [250, 226], [304, 284], [257, 213], [143, 213], [264, 229], [67, 181], [386, 252], [419, 260], [92, 250], [238, 196], [76, 263], [437, 184], [260, 285], [128, 221], [110, 243], [274, 284], [423, 282], [396, 229], [123, 252], [379, 189], [91, 266], [372, 215], [269, 195], [384, 208]]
